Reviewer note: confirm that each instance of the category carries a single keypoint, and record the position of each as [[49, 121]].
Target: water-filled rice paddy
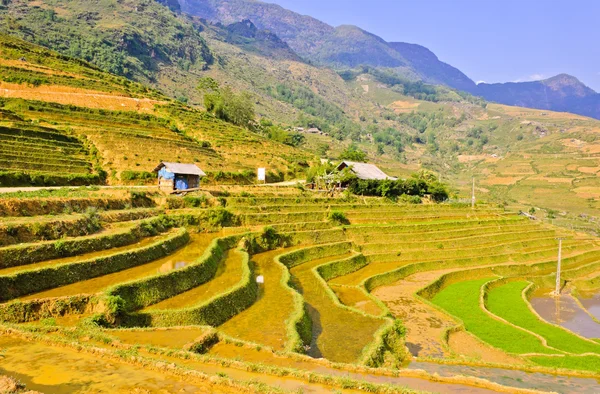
[[338, 334], [565, 312], [228, 274], [264, 321], [179, 259]]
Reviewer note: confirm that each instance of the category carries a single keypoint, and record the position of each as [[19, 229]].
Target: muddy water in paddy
[[225, 350], [354, 297], [61, 370], [591, 302], [513, 378], [338, 334], [228, 274], [264, 321], [565, 312], [179, 259], [425, 324]]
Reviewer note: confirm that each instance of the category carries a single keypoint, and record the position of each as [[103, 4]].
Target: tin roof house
[[365, 171], [178, 176]]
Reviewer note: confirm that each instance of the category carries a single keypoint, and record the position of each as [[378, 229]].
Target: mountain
[[339, 47], [563, 93], [347, 47], [246, 35], [431, 69], [140, 40]]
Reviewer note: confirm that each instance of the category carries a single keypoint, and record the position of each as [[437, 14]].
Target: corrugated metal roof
[[181, 168], [365, 170]]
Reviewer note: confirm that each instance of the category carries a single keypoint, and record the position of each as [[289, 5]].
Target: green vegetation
[[159, 37], [462, 300], [353, 153], [418, 185], [507, 302], [581, 363], [237, 108]]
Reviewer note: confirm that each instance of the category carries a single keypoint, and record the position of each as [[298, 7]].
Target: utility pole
[[557, 291], [473, 194]]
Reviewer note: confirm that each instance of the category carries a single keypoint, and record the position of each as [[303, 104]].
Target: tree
[[322, 149], [353, 153], [236, 108], [208, 84]]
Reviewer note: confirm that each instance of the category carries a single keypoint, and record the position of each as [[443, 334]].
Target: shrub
[[405, 198], [195, 201], [338, 217], [136, 175]]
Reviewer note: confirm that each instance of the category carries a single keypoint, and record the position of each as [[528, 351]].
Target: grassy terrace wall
[[51, 228], [213, 312], [148, 291], [427, 238], [129, 214], [34, 178], [34, 310], [53, 206], [435, 226], [23, 254], [511, 248], [316, 236], [342, 267], [27, 282], [306, 226], [493, 240], [271, 218]]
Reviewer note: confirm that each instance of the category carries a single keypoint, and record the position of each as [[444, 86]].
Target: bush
[[405, 198], [11, 178], [417, 185], [338, 217], [136, 175]]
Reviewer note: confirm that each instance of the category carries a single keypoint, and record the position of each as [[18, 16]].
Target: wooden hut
[[178, 176]]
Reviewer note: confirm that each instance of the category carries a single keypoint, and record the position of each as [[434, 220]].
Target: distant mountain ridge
[[349, 46], [562, 92], [344, 46]]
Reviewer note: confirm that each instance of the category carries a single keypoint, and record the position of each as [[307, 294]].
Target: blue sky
[[489, 40]]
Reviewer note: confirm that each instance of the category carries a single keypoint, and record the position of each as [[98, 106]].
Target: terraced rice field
[[399, 284], [27, 149]]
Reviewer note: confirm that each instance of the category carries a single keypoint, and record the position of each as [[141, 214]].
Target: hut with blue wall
[[178, 176]]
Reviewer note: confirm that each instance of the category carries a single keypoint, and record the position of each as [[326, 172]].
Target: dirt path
[[425, 324]]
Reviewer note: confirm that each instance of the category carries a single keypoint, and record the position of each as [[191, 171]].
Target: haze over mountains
[[347, 47]]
